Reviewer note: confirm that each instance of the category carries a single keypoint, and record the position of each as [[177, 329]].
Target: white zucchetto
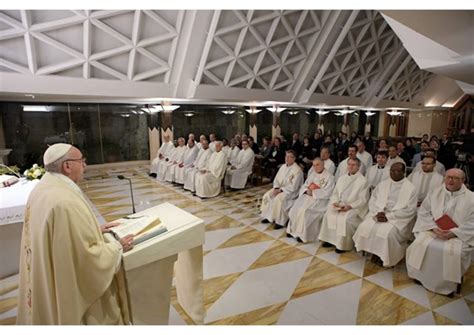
[[55, 152]]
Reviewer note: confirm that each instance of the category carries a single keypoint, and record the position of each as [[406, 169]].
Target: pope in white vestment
[[379, 171], [237, 174], [277, 202], [308, 210], [208, 180], [162, 154], [426, 180], [199, 164], [347, 206], [439, 258], [342, 167], [189, 157], [174, 162], [388, 224], [69, 274]]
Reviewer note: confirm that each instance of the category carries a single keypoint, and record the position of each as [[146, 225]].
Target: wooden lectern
[[149, 268]]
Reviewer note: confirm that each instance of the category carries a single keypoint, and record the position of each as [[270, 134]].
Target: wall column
[[253, 126], [153, 135]]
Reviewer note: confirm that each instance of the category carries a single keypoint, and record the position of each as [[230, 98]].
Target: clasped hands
[[443, 234], [276, 191], [126, 241], [381, 217], [342, 207]]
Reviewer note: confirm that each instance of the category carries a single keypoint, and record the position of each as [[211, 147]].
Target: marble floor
[[255, 275]]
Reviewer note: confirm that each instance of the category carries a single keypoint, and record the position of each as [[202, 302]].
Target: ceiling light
[[369, 113], [189, 114], [307, 112], [276, 109], [253, 110], [322, 112], [169, 108], [32, 96], [35, 108], [228, 112], [345, 111], [394, 113], [293, 112], [125, 115]]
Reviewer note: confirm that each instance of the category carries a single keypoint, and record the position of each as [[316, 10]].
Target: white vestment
[[329, 166], [189, 157], [388, 240], [397, 159], [208, 185], [164, 164], [366, 159], [164, 151], [173, 163], [439, 167], [226, 150], [440, 264], [289, 180], [342, 169], [199, 164], [308, 210], [212, 146], [425, 182], [233, 154], [237, 178], [375, 175], [338, 227]]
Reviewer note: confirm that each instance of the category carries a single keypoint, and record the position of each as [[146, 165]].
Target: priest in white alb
[[164, 164], [162, 154], [393, 156], [237, 174], [308, 210], [439, 257], [426, 179], [277, 202], [233, 152], [342, 167], [329, 165], [212, 142], [347, 206], [363, 155], [175, 160], [439, 167], [199, 164], [69, 274], [378, 172], [189, 157], [388, 224], [208, 181]]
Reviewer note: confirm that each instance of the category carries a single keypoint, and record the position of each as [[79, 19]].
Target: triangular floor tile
[[278, 253], [383, 279], [319, 276], [214, 238], [421, 320], [417, 294], [441, 320], [331, 257], [356, 268], [457, 311], [258, 288], [378, 306], [262, 316], [223, 223], [334, 306], [310, 248], [215, 287], [438, 300], [247, 235], [261, 226], [275, 233], [174, 318]]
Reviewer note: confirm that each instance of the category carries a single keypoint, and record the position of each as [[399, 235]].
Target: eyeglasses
[[452, 178], [82, 159]]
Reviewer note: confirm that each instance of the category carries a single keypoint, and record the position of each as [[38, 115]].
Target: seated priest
[[208, 181], [439, 167], [364, 156], [378, 172], [444, 230], [277, 202], [426, 179], [342, 167], [69, 274], [346, 209], [237, 174], [308, 210], [162, 154], [189, 157], [329, 165], [233, 152], [165, 163], [393, 156], [198, 165], [388, 224], [175, 160]]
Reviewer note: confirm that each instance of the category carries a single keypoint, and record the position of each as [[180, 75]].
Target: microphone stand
[[121, 177]]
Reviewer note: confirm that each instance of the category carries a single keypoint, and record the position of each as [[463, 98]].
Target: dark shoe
[[277, 226], [326, 245], [265, 221], [289, 235], [451, 295], [417, 282], [299, 240], [152, 175], [339, 251]]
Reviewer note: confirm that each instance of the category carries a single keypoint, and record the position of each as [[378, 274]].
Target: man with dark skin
[[397, 173]]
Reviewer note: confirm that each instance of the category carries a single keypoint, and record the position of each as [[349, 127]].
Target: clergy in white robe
[[363, 155], [162, 154], [329, 165], [439, 167], [379, 171], [199, 164], [277, 202], [208, 180], [202, 137], [393, 156], [164, 164], [189, 157], [212, 142], [342, 167], [347, 206], [237, 174], [225, 148], [426, 180], [439, 258], [69, 274], [388, 224], [308, 210], [177, 159], [233, 153]]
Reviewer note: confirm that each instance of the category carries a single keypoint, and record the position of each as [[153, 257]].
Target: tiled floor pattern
[[254, 274]]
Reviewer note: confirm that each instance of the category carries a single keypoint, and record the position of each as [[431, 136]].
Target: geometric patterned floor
[[255, 275]]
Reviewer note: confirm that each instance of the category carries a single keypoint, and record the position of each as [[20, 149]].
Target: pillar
[[253, 127], [153, 135]]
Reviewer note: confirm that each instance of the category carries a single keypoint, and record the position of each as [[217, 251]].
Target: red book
[[446, 223]]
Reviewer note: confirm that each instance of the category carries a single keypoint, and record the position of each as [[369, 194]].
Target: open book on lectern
[[142, 227]]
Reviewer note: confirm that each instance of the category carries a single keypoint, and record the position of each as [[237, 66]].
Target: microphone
[[121, 177]]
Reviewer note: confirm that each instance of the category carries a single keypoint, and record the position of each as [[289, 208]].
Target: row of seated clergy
[[176, 154], [163, 154]]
